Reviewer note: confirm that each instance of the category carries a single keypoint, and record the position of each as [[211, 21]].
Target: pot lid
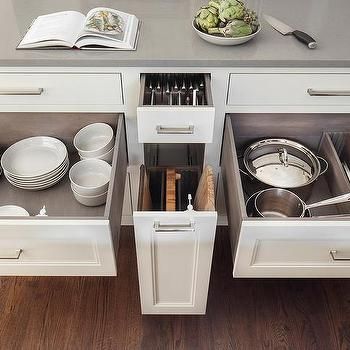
[[281, 163]]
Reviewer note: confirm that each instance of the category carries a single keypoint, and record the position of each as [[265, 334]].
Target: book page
[[63, 26], [107, 23]]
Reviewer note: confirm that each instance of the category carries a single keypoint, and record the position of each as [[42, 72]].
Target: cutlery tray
[[175, 108]]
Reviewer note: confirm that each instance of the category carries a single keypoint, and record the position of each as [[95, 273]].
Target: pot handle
[[246, 174], [324, 165]]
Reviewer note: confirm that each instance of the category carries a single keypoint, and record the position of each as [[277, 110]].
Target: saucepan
[[281, 203]]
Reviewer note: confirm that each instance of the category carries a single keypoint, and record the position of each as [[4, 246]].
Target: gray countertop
[[167, 38]]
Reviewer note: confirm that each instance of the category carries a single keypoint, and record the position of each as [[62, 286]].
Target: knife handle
[[305, 38]]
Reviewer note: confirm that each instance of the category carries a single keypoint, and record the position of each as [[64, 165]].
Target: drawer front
[[171, 125], [56, 247], [174, 254], [76, 90], [289, 89], [294, 249]]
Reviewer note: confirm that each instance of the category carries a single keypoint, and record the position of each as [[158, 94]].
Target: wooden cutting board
[[171, 177]]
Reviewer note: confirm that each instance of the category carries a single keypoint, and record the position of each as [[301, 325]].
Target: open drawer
[[174, 248], [292, 247], [73, 239], [175, 108]]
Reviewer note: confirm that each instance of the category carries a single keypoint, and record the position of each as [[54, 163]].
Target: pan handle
[[324, 165]]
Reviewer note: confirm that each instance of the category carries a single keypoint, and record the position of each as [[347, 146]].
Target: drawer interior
[[59, 199], [316, 131], [175, 89], [171, 173]]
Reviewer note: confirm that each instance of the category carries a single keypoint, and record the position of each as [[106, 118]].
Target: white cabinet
[[289, 89], [174, 254], [73, 239], [292, 247], [61, 92]]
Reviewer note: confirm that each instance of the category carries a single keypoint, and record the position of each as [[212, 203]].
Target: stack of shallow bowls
[[95, 141], [35, 163], [90, 180]]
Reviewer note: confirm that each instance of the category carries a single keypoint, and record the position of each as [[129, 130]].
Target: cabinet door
[[174, 253]]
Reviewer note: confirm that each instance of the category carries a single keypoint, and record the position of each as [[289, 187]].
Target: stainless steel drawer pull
[[187, 130], [313, 92], [158, 227], [21, 91], [15, 256], [334, 253]]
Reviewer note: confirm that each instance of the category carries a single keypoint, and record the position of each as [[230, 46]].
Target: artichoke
[[207, 17], [231, 9], [233, 29], [251, 18]]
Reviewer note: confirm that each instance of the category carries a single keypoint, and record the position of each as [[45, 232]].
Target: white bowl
[[94, 140], [90, 177], [90, 201], [223, 41], [107, 157]]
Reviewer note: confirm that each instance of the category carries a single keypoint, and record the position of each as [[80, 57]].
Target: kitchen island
[[254, 87]]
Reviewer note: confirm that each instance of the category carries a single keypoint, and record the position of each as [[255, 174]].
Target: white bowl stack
[[35, 163], [95, 141], [90, 180]]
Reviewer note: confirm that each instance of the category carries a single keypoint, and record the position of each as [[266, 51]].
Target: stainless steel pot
[[281, 203], [283, 163]]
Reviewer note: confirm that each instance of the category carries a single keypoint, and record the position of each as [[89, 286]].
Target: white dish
[[47, 182], [34, 156], [90, 177], [107, 157], [41, 178], [94, 140], [222, 41], [90, 201], [12, 210]]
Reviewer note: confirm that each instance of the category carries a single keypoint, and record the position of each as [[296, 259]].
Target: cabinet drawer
[[39, 91], [294, 249], [291, 247], [56, 247], [174, 253], [74, 239], [289, 89], [161, 120]]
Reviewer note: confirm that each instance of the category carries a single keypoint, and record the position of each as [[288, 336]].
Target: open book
[[100, 28]]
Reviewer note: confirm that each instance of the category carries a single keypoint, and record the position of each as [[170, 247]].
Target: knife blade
[[285, 29]]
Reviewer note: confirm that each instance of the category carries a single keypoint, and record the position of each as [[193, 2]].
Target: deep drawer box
[[291, 247], [73, 239]]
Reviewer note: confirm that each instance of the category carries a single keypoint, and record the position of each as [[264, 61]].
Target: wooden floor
[[104, 313]]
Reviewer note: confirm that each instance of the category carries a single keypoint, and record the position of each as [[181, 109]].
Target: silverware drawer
[[175, 108]]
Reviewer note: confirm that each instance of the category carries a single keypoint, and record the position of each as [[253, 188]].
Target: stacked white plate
[[35, 163]]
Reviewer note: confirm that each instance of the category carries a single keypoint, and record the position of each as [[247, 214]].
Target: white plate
[[41, 177], [12, 210], [40, 186], [222, 41], [40, 180], [34, 156]]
